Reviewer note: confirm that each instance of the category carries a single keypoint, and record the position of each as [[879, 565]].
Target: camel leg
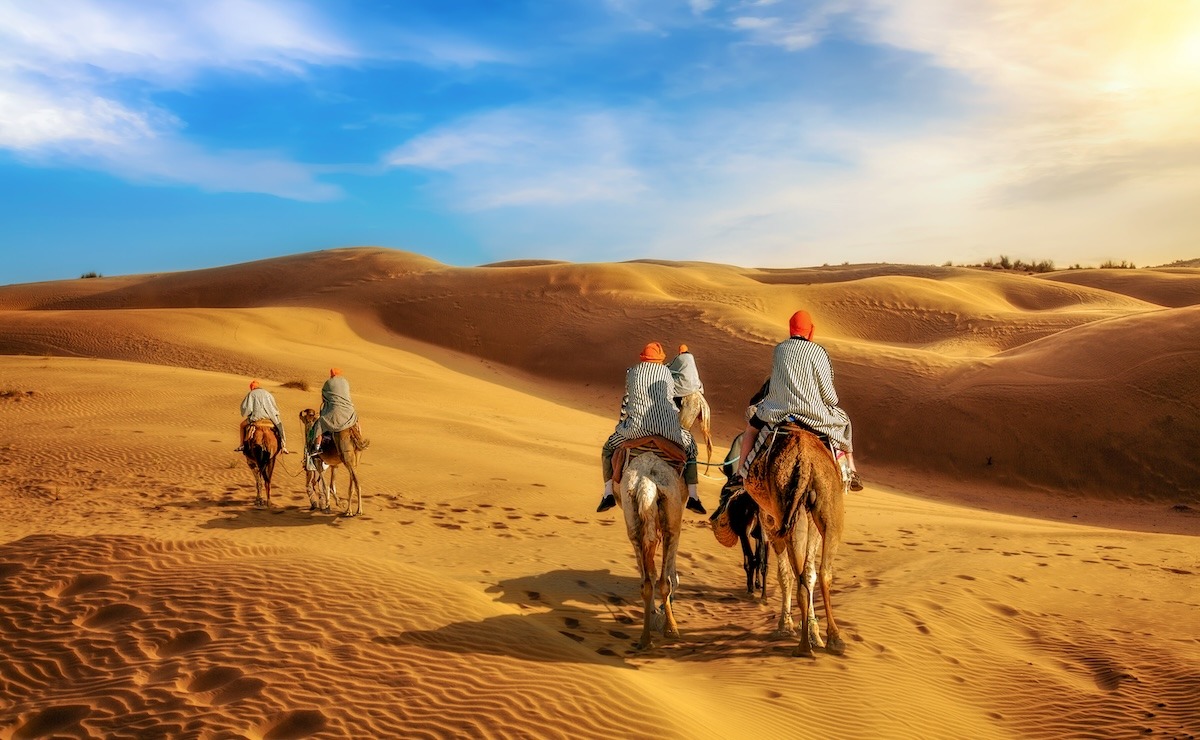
[[646, 566], [332, 492], [353, 491], [829, 544], [749, 562], [787, 586], [668, 580], [798, 543], [810, 582], [761, 552]]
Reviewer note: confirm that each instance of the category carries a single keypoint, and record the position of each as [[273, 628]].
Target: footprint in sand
[[112, 614], [84, 583], [296, 724], [53, 721], [571, 622], [184, 642], [571, 635]]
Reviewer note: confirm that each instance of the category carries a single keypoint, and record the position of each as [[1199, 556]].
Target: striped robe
[[801, 388], [648, 409]]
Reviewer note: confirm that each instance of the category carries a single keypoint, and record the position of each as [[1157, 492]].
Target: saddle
[[668, 451]]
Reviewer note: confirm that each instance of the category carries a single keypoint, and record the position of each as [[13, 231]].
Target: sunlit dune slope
[[1164, 286], [927, 359]]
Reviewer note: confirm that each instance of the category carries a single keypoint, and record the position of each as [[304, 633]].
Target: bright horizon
[[141, 137]]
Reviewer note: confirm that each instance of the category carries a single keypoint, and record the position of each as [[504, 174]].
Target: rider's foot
[[239, 448], [285, 451], [693, 504], [855, 482], [606, 503]]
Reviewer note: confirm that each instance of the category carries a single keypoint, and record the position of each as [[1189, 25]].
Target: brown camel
[[799, 488], [341, 451], [652, 493], [694, 408], [260, 447]]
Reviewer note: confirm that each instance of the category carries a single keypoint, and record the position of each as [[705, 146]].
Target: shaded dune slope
[[927, 359]]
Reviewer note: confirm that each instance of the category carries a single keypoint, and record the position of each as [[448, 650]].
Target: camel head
[[308, 417]]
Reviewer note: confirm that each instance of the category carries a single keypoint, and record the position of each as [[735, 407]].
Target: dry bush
[[299, 385]]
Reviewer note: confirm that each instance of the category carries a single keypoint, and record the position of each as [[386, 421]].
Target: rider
[[645, 410], [337, 410], [801, 389], [260, 404], [687, 378]]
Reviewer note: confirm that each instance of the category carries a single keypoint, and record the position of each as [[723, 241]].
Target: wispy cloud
[[528, 157]]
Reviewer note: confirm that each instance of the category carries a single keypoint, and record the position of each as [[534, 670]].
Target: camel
[[738, 522], [693, 408], [800, 490], [652, 493], [341, 451], [260, 447]]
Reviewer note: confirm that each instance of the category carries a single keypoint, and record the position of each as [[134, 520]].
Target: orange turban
[[683, 348], [255, 384], [334, 371], [801, 325], [653, 352]]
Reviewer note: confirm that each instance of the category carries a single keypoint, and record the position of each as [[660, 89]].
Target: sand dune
[[142, 595]]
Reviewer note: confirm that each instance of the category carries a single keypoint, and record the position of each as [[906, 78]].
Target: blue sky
[[153, 136]]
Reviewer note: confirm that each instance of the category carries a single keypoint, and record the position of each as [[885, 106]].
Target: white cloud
[[528, 156], [62, 62]]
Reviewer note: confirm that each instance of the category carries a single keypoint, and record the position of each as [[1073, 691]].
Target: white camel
[[652, 496]]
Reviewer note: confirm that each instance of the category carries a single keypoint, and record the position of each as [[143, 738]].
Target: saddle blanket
[[668, 451]]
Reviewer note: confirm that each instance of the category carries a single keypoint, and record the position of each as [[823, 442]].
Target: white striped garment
[[647, 408], [801, 388]]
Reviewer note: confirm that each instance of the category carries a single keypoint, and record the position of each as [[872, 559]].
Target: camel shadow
[[278, 516], [594, 616]]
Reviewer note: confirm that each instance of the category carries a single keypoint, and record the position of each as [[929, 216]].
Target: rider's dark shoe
[[855, 481], [606, 503], [693, 504], [239, 448]]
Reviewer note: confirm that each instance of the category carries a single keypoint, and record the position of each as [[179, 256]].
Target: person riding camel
[[687, 378], [337, 412], [257, 405], [647, 409], [801, 389]]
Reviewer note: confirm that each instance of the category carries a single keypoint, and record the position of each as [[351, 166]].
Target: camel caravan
[[786, 485], [333, 438], [786, 475]]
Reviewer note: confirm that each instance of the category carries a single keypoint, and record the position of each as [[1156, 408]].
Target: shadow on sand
[[595, 616], [277, 516]]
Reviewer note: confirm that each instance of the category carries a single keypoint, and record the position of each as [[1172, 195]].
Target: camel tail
[[706, 428], [796, 491], [645, 503]]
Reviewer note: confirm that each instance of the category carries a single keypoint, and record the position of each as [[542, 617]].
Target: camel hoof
[[836, 645], [671, 634], [802, 651], [814, 634], [785, 632]]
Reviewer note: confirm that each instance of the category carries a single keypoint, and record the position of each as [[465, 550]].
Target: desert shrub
[[1006, 263], [299, 385], [90, 275], [1123, 265]]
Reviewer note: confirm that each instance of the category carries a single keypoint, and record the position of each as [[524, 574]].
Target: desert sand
[[1023, 562]]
